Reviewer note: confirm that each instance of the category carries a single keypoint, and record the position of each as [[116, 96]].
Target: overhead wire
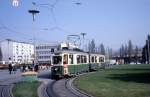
[[51, 7], [27, 36], [56, 27]]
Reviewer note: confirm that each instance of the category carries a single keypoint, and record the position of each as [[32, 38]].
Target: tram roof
[[76, 52], [71, 51]]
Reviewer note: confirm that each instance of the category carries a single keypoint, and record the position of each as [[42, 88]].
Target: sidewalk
[[4, 74]]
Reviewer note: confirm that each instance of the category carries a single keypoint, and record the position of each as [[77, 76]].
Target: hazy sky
[[112, 22]]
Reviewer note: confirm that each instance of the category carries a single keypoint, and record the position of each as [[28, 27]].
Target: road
[[49, 88], [7, 81]]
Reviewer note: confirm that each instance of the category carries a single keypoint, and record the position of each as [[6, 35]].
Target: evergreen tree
[[136, 53], [122, 51], [0, 54], [92, 46], [126, 51], [110, 52], [130, 50], [146, 51], [102, 49]]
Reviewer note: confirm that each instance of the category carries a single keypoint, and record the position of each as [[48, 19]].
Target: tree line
[[129, 52], [93, 48], [146, 51]]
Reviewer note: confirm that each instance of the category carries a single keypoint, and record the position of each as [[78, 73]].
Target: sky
[[111, 22]]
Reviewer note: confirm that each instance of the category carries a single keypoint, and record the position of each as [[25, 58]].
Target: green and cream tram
[[69, 62]]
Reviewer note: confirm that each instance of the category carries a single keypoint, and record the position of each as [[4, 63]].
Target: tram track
[[50, 89], [62, 88], [6, 86], [5, 91]]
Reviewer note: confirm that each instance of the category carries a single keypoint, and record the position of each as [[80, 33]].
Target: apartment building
[[18, 52]]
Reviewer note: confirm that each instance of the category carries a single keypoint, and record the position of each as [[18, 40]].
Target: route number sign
[[15, 3]]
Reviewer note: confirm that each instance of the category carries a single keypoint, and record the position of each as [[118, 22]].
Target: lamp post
[[34, 12], [83, 34]]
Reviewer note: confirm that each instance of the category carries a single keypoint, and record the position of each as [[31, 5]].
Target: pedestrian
[[14, 67], [36, 68], [23, 68], [10, 68]]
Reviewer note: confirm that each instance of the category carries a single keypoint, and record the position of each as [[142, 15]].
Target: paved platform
[[4, 74]]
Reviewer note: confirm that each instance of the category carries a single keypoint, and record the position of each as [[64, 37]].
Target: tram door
[[65, 63]]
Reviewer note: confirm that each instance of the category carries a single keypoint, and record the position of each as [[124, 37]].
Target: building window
[[52, 49]]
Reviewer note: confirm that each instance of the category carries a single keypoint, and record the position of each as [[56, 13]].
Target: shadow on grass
[[132, 77], [131, 69]]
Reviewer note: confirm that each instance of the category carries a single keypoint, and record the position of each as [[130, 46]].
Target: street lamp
[[83, 34], [34, 12]]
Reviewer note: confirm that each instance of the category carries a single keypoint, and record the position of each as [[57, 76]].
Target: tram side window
[[99, 59], [95, 59], [82, 59], [78, 59], [70, 59], [57, 59], [92, 59], [65, 61], [102, 59], [85, 59]]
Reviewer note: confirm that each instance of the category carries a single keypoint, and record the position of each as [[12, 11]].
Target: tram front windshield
[[57, 59]]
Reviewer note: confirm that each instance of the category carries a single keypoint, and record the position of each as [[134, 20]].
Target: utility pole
[[148, 51], [83, 34], [34, 12]]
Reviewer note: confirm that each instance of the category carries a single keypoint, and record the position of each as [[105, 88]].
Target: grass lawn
[[119, 81], [26, 89]]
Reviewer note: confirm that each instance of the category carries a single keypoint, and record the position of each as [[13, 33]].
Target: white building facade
[[18, 52], [44, 52]]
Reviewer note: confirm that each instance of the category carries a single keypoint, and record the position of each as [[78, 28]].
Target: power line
[[16, 32]]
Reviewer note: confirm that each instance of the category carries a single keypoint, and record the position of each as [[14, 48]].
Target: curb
[[82, 92], [78, 90], [75, 89]]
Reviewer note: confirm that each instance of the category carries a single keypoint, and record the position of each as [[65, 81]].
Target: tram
[[69, 62]]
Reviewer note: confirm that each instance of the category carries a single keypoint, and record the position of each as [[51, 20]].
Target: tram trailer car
[[69, 63]]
